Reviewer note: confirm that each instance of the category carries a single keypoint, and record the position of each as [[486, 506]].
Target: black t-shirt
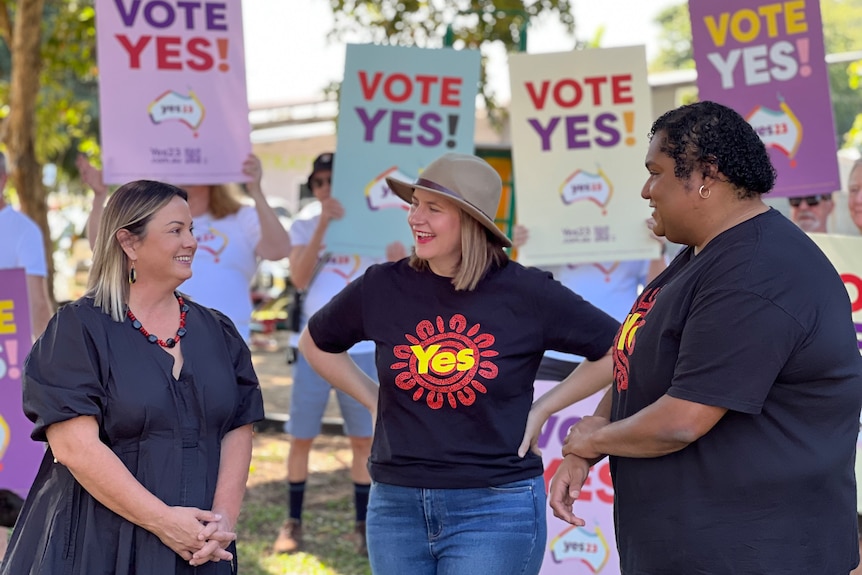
[[456, 368], [759, 323]]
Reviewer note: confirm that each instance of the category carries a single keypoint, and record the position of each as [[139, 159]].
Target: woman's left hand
[[579, 440], [218, 535], [531, 434]]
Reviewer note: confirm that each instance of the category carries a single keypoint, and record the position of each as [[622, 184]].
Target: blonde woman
[[232, 238], [460, 331], [146, 402]]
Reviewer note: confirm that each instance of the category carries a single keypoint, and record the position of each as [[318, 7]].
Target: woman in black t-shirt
[[460, 332], [732, 422]]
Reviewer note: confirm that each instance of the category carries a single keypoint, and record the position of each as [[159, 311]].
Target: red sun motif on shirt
[[445, 362]]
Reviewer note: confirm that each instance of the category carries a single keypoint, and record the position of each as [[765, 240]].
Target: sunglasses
[[810, 200], [319, 182]]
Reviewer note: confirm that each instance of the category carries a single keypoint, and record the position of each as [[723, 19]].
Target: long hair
[[224, 201], [480, 251], [130, 208]]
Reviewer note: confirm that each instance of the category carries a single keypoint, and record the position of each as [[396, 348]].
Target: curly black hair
[[713, 139]]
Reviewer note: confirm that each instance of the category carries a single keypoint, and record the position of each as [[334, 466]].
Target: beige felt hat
[[467, 180]]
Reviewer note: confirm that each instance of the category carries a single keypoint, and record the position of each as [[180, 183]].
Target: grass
[[327, 515]]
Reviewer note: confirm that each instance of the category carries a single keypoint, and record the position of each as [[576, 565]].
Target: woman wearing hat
[[460, 331]]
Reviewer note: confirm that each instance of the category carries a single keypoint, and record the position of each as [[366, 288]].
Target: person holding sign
[[459, 332], [732, 419], [321, 276], [21, 246], [231, 238], [147, 403]]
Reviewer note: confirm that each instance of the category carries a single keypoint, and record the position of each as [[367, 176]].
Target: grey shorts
[[310, 394]]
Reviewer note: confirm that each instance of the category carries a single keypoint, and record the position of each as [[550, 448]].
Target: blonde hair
[[480, 250], [224, 201], [130, 208]]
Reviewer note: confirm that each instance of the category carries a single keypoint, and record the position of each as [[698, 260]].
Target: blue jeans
[[500, 530]]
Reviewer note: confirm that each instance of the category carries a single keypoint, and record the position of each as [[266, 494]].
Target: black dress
[[168, 433]]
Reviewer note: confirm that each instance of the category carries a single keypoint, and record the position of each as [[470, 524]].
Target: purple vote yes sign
[[766, 61], [19, 455]]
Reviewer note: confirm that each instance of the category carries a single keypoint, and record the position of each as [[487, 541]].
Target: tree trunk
[[25, 169]]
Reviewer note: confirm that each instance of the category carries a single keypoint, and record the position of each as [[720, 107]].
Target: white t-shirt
[[338, 271], [225, 264], [21, 243], [610, 286]]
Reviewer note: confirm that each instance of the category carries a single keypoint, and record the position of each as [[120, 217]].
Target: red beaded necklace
[[172, 341]]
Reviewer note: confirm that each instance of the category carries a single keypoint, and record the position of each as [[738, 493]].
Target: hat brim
[[404, 190]]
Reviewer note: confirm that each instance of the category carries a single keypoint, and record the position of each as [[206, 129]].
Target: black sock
[[297, 493], [360, 498]]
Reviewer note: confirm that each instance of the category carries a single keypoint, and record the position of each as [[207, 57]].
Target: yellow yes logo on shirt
[[442, 362]]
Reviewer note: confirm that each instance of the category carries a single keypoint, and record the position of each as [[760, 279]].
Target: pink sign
[[172, 91], [766, 60], [590, 549], [19, 455]]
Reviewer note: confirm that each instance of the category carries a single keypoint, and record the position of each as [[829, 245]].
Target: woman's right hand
[[180, 527], [566, 487]]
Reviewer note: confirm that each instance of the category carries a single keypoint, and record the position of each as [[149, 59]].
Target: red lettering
[[569, 92], [595, 82], [167, 55], [201, 59], [450, 94], [621, 89], [390, 93], [135, 49], [368, 91], [425, 82], [855, 281], [538, 99], [576, 96], [606, 492]]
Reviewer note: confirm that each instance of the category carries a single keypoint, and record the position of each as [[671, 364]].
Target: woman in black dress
[[147, 402]]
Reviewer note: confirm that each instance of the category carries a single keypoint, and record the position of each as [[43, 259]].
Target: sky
[[290, 59]]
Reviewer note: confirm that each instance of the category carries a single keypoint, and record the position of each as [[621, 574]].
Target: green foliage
[[425, 23], [675, 52], [67, 111], [853, 137]]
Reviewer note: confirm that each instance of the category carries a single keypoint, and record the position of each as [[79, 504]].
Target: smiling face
[[436, 226], [854, 187], [165, 252], [674, 201]]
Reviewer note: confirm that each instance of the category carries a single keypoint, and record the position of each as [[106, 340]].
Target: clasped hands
[[196, 535]]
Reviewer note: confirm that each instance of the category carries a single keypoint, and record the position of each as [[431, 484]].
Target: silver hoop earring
[[701, 194]]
